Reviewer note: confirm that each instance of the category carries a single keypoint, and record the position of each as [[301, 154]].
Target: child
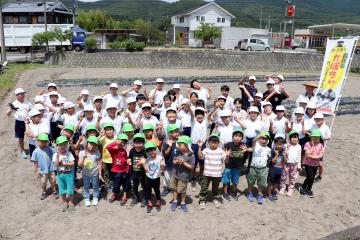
[[153, 165], [229, 105], [186, 116], [64, 161], [131, 112], [156, 96], [88, 118], [248, 91], [276, 165], [145, 117], [219, 106], [279, 125], [167, 104], [225, 129], [84, 99], [120, 168], [266, 116], [21, 107], [113, 98], [70, 116], [292, 165], [170, 119], [90, 161], [233, 163], [112, 117], [44, 167], [148, 130], [128, 129], [238, 113], [213, 165], [314, 151], [184, 162], [258, 171], [137, 171]]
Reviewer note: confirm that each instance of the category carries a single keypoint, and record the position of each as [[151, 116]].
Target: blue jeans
[[94, 180], [121, 179]]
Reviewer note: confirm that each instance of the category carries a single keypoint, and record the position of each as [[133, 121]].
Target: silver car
[[253, 44]]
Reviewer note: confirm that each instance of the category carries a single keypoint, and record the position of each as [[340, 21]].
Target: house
[[184, 24]]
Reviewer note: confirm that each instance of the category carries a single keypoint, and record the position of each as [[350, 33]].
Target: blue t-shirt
[[276, 167], [44, 159], [169, 159]]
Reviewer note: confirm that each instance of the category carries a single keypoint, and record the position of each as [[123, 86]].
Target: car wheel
[[249, 49], [23, 50], [77, 48], [267, 49]]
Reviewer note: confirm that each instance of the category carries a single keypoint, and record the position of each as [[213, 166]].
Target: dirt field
[[336, 205]]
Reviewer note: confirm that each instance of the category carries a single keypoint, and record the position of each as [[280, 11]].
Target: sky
[[161, 0]]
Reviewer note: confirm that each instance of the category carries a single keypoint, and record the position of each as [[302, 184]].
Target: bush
[[355, 70], [129, 45], [90, 43], [116, 45]]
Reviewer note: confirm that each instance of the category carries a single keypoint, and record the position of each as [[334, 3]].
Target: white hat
[[281, 77], [200, 109], [130, 100], [225, 113], [114, 85], [53, 93], [39, 107], [159, 80], [299, 110], [52, 85], [185, 101], [303, 100], [171, 109], [318, 115], [85, 92], [146, 105], [138, 82], [111, 105], [34, 112], [265, 103], [260, 95], [19, 90], [252, 78], [221, 97], [280, 108], [270, 81], [88, 108], [279, 135], [61, 100], [177, 86], [98, 98], [253, 109], [68, 105], [39, 98], [311, 105]]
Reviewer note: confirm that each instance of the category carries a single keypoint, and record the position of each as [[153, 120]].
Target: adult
[[156, 96], [310, 86], [203, 93], [273, 96], [248, 91]]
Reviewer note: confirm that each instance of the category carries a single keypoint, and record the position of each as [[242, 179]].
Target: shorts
[[186, 131], [31, 149], [66, 182], [177, 185], [274, 178], [258, 175], [231, 175], [195, 149], [19, 129]]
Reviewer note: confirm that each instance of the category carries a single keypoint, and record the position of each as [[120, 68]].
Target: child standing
[[44, 167], [90, 160], [64, 161]]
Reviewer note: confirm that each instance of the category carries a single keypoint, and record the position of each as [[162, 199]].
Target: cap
[[280, 108], [311, 84], [292, 132], [303, 100], [260, 95], [221, 97], [114, 85], [146, 105], [225, 113], [111, 105], [52, 85], [61, 100], [127, 127], [91, 127], [139, 135], [130, 100], [43, 137], [68, 105], [270, 81], [281, 77], [311, 105], [19, 90], [85, 92], [39, 98], [238, 130], [264, 134], [98, 98], [108, 124], [122, 136], [299, 110], [61, 139], [253, 109], [159, 80], [176, 86], [185, 101], [69, 127], [53, 93], [318, 116], [214, 136], [138, 82], [39, 107], [279, 135], [172, 127], [88, 108], [252, 78], [149, 145], [34, 112], [265, 103], [315, 133], [171, 109], [200, 109], [148, 126], [184, 139], [93, 139], [140, 96]]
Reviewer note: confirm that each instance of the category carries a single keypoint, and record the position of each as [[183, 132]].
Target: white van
[[253, 44]]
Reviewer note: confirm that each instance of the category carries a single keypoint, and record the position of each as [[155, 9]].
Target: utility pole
[[46, 27], [149, 23], [75, 6], [261, 17], [3, 50]]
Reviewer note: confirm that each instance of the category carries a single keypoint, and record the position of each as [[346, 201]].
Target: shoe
[[165, 192], [123, 201], [87, 202], [24, 155], [289, 193], [133, 202], [317, 179], [43, 196], [173, 206], [56, 195], [274, 196], [282, 191], [216, 203], [250, 197], [95, 201], [310, 194], [158, 206], [71, 208], [259, 199], [235, 196], [270, 198], [193, 186], [149, 208], [143, 203], [112, 198], [302, 191], [184, 207], [64, 208], [202, 205], [226, 196]]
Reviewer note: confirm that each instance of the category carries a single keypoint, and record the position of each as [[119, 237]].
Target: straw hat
[[311, 84]]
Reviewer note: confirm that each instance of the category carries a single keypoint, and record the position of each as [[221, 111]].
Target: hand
[[140, 114], [129, 161], [200, 144], [169, 142], [241, 86], [142, 161], [86, 154], [101, 179], [210, 89], [145, 92], [162, 164], [99, 117], [78, 99], [299, 169], [228, 152], [302, 122], [217, 125], [126, 114]]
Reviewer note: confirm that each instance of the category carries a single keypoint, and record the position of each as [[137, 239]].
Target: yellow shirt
[[104, 141]]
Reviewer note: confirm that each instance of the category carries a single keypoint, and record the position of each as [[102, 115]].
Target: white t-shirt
[[324, 129], [199, 131], [229, 105], [309, 122], [242, 114], [216, 116], [132, 93], [293, 154], [35, 129], [158, 98], [118, 121], [133, 115], [203, 94], [162, 111], [116, 100], [88, 102], [153, 120], [83, 124], [66, 158], [71, 119], [260, 155], [185, 118], [279, 126], [225, 133], [297, 126], [213, 162], [23, 109], [252, 128], [266, 121]]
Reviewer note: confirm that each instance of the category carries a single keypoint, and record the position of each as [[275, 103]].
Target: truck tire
[[77, 48], [267, 49], [23, 50], [64, 48], [249, 49]]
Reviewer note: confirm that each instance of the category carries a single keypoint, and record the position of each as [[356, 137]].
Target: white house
[[184, 24]]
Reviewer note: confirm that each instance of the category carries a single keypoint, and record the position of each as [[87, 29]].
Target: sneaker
[[317, 179], [56, 195], [143, 203], [158, 206], [216, 203], [133, 202], [43, 196], [87, 202], [123, 201], [310, 194], [64, 208], [289, 193], [95, 201], [149, 208], [274, 196], [235, 196], [270, 197], [250, 197], [112, 198], [259, 199], [302, 191], [24, 155], [202, 205], [173, 206], [282, 191], [165, 192], [193, 186], [184, 207], [71, 208], [226, 196]]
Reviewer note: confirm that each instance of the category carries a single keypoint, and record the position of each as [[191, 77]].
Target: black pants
[[310, 176], [152, 184], [138, 177], [121, 179], [186, 131], [54, 131]]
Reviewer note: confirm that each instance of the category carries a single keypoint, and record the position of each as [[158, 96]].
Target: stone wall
[[270, 61]]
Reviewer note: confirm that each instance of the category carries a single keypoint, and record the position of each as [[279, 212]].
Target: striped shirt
[[213, 162]]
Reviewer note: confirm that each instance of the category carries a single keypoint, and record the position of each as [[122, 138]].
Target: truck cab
[[78, 39]]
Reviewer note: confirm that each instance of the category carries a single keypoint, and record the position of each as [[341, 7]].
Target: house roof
[[188, 12], [34, 7]]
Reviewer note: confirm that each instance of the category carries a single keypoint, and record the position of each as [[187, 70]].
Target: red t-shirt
[[119, 158]]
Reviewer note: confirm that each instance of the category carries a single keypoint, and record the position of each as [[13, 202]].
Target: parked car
[[253, 44]]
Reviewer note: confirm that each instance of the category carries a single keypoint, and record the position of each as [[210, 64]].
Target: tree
[[207, 33], [41, 38], [62, 36]]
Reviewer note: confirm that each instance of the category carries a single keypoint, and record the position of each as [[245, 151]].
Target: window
[[218, 20], [253, 40], [197, 18], [260, 42], [40, 19], [182, 19], [23, 19], [203, 18], [8, 19], [223, 20]]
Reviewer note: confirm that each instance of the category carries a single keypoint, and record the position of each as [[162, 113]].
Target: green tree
[[41, 38], [62, 36], [207, 33]]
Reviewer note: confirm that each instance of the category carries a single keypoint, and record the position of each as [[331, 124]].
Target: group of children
[[120, 141]]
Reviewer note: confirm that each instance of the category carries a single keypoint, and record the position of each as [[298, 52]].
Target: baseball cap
[[111, 105], [19, 90], [43, 137], [292, 132], [91, 127], [149, 145], [264, 134], [138, 82], [252, 77], [39, 107], [315, 133], [39, 98], [89, 108], [221, 97], [177, 86], [238, 130], [127, 127], [225, 113], [69, 127], [311, 105], [122, 136], [280, 77], [114, 85], [214, 136], [253, 109], [92, 139], [53, 93], [146, 105], [68, 105], [130, 100], [61, 100], [61, 139], [270, 81], [139, 135], [185, 101], [171, 109], [299, 110], [279, 135], [280, 108], [260, 95], [318, 115], [52, 85], [303, 100], [172, 127], [98, 98], [108, 124], [159, 80], [265, 103], [148, 126], [184, 139], [34, 112], [85, 92]]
